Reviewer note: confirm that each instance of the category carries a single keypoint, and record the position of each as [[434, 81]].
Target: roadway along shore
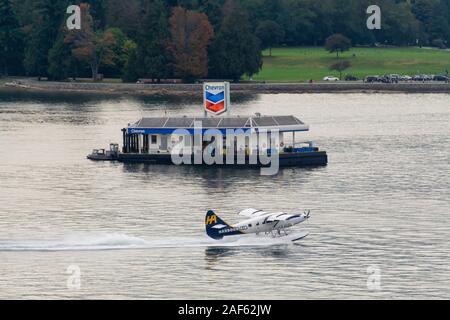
[[245, 88]]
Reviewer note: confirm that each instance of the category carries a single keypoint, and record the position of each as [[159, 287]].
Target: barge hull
[[285, 160]]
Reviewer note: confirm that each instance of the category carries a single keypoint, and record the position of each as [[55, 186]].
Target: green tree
[[124, 15], [121, 49], [297, 20], [89, 46], [152, 55], [131, 70], [213, 9], [60, 59], [340, 66], [236, 50], [433, 15], [400, 26], [98, 12], [43, 32], [11, 46], [337, 43], [270, 34]]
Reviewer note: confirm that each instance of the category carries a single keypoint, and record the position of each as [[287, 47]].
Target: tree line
[[193, 39]]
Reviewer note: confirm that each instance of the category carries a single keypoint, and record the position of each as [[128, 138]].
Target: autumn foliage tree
[[340, 66], [89, 46], [191, 33]]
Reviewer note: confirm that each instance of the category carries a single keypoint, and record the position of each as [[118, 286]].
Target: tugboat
[[105, 155]]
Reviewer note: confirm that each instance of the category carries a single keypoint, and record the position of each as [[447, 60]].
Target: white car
[[405, 78], [330, 78]]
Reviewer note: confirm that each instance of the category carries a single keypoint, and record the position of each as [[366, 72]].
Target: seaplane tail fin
[[214, 224]]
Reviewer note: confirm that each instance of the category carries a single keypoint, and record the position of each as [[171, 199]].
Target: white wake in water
[[117, 241]]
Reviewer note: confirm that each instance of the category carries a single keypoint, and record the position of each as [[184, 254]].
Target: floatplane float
[[257, 222]]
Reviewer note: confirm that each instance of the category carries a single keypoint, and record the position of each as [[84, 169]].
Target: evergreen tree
[[61, 62], [270, 34], [235, 51], [11, 48], [433, 16], [131, 70], [297, 20], [151, 53], [400, 25], [47, 19], [124, 15], [98, 12], [213, 9]]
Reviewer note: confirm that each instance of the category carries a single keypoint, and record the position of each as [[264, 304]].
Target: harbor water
[[71, 228]]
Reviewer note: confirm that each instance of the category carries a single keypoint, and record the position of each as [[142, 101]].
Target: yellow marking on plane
[[211, 219]]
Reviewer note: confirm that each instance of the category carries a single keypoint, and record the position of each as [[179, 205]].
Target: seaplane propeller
[[307, 214]]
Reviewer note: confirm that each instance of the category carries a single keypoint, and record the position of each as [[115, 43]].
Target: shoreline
[[24, 85]]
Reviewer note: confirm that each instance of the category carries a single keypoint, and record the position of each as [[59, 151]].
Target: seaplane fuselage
[[256, 222]]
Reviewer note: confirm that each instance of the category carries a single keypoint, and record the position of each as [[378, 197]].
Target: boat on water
[[229, 140], [262, 141], [105, 155]]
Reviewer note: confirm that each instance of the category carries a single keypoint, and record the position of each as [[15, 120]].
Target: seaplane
[[257, 222]]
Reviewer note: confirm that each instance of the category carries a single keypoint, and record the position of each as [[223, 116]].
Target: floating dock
[[217, 141]]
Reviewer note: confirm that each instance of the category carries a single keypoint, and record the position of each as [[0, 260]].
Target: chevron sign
[[216, 97]]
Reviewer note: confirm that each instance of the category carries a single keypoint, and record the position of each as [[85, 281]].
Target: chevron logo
[[215, 98]]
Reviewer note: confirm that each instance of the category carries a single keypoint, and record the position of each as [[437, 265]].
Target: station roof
[[219, 122]]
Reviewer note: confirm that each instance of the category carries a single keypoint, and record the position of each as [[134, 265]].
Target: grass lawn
[[301, 64]]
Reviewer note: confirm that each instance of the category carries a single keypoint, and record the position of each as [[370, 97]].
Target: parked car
[[423, 77], [372, 79], [351, 78], [419, 77], [405, 78], [386, 79], [441, 78], [394, 77], [330, 78]]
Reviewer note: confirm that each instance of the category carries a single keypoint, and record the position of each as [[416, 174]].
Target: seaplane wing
[[280, 216], [251, 213]]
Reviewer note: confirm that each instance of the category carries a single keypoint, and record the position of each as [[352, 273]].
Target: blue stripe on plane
[[215, 98]]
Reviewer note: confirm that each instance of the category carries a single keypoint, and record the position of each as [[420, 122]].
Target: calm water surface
[[381, 206]]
